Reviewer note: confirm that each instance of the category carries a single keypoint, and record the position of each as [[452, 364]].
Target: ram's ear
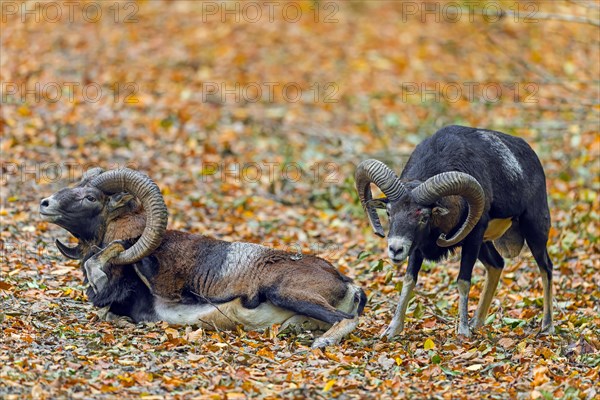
[[378, 203], [119, 200], [439, 211]]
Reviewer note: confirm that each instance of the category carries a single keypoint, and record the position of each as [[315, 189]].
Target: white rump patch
[[347, 304], [241, 256], [510, 164]]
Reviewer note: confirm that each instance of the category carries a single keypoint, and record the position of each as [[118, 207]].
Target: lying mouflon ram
[[484, 189], [140, 270]]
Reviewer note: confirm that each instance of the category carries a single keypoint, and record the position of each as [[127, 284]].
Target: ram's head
[[414, 207], [85, 210]]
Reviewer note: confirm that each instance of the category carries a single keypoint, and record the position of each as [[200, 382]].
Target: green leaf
[[547, 395], [513, 322], [449, 371], [436, 359], [571, 393], [419, 311], [389, 276], [442, 304], [376, 265], [398, 287]]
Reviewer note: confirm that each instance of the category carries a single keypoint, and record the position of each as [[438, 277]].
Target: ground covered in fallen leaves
[[252, 126]]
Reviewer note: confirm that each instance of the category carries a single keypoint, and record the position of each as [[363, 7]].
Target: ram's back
[[506, 167]]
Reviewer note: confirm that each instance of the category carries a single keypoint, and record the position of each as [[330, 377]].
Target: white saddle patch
[[510, 164], [241, 256]]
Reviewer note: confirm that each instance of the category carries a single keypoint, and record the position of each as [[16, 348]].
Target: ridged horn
[[374, 171], [453, 183], [141, 186], [74, 253], [89, 175]]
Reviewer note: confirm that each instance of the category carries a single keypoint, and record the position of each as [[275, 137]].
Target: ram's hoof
[[391, 331], [94, 267], [120, 321], [463, 330], [475, 324], [103, 313], [321, 342], [546, 331], [95, 275]]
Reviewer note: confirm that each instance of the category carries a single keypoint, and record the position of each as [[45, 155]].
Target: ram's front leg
[[415, 260], [336, 333], [94, 266], [470, 253]]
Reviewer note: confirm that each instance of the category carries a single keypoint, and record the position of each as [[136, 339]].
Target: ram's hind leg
[[493, 264], [536, 235], [353, 303], [316, 306], [309, 304]]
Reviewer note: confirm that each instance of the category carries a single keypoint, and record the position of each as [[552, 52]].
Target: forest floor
[[252, 127]]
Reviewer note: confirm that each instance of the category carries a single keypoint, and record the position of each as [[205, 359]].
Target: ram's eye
[[90, 198]]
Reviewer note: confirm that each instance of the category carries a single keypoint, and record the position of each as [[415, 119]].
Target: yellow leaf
[[474, 367], [429, 344], [329, 385], [172, 333], [235, 395], [24, 111], [398, 361]]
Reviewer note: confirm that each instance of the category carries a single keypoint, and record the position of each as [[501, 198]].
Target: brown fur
[[275, 269], [447, 222], [125, 226]]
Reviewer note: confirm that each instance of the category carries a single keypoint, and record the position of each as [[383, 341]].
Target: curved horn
[[141, 186], [374, 171], [74, 253], [449, 184], [89, 175]]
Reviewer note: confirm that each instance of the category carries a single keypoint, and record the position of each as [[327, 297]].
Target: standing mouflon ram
[[485, 189], [140, 270]]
